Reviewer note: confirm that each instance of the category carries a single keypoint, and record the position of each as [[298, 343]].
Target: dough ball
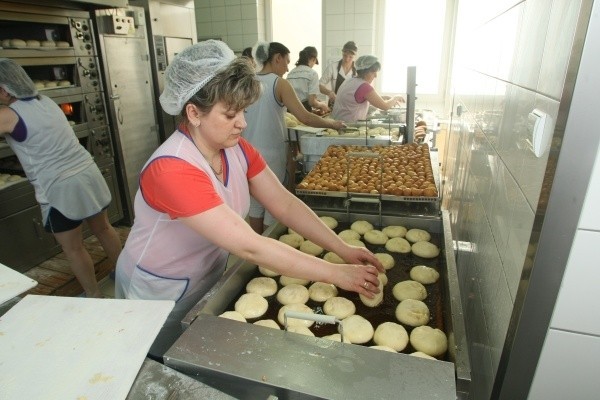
[[375, 301], [234, 315], [269, 323], [354, 242], [33, 43], [384, 348], [398, 245], [409, 290], [5, 42], [301, 330], [303, 308], [376, 237], [50, 84], [288, 280], [428, 340], [412, 312], [262, 286], [291, 231], [386, 259], [422, 355], [267, 272], [292, 239], [393, 231], [292, 294], [321, 291], [357, 329], [48, 43], [361, 227], [349, 234], [330, 222], [417, 235], [39, 85], [309, 247], [336, 337], [425, 249], [424, 275], [392, 335], [64, 83], [382, 278], [251, 305], [333, 258], [17, 43], [339, 307], [62, 44], [14, 178]]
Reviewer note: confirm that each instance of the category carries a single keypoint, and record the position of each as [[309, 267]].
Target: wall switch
[[541, 128]]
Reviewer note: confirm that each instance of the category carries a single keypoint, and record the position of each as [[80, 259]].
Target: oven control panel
[[82, 36], [99, 144], [89, 74], [95, 112]]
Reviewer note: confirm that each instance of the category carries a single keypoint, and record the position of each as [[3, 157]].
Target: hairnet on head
[[190, 70], [260, 52], [365, 62], [15, 80]]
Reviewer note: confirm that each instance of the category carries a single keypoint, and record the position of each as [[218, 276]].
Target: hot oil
[[386, 311]]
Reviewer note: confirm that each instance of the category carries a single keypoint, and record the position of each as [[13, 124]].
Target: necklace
[[220, 171]]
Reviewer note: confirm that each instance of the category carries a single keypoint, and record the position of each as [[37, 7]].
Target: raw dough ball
[[5, 42], [361, 227], [412, 312], [339, 307], [422, 355], [386, 259], [50, 84], [17, 43], [321, 291], [39, 85], [382, 278], [428, 340], [234, 315], [425, 249], [251, 305], [292, 239], [375, 301], [14, 178], [303, 308], [301, 330], [417, 235], [309, 247], [357, 329], [354, 242], [262, 286], [336, 337], [349, 234], [424, 275], [290, 231], [287, 280], [376, 237], [398, 245], [409, 290], [292, 294], [384, 348], [392, 335], [62, 44], [33, 43], [393, 231], [267, 272], [330, 222], [48, 43], [269, 323], [64, 83], [333, 258]]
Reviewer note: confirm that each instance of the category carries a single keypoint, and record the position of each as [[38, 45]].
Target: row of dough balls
[[34, 44], [6, 179], [46, 84]]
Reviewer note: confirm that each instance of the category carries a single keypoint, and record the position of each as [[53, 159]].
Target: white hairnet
[[365, 62], [15, 80], [260, 52], [190, 70]]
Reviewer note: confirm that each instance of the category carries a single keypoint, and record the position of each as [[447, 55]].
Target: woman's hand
[[337, 125], [361, 279], [361, 255], [399, 99]]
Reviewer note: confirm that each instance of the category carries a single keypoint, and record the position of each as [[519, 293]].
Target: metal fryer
[[249, 361]]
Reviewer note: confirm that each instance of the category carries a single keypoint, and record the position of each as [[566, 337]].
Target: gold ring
[[366, 284]]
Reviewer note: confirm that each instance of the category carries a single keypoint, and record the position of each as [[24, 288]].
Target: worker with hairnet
[[356, 94], [195, 193], [68, 184]]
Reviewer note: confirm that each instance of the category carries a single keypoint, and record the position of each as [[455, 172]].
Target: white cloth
[[163, 259], [304, 80], [346, 108], [330, 74], [267, 132], [52, 159]]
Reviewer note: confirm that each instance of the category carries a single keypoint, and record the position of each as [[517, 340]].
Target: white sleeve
[[327, 77], [313, 84]]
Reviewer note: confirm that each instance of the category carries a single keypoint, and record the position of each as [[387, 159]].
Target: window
[[414, 36]]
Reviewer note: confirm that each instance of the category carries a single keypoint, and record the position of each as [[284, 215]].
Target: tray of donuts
[[392, 173]]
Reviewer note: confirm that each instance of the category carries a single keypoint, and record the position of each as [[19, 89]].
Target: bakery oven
[[57, 49]]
